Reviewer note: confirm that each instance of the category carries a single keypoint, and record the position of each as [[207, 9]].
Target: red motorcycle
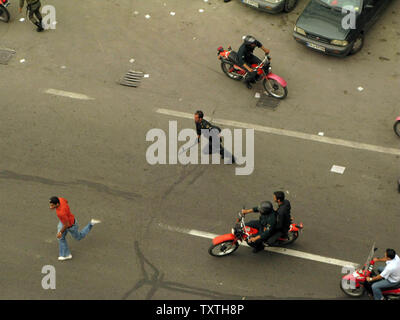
[[352, 284], [4, 14], [396, 126], [228, 243], [273, 84]]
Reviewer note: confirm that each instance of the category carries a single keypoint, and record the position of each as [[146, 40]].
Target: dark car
[[337, 27], [272, 6]]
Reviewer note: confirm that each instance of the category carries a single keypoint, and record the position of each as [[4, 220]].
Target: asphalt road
[[92, 152]]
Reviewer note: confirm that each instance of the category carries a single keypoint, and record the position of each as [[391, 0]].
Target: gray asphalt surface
[[93, 152]]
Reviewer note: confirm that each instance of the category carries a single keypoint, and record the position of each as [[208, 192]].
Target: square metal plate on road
[[266, 101], [131, 78], [5, 55]]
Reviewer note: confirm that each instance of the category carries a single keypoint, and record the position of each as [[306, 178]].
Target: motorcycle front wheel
[[275, 89], [396, 127], [355, 293], [230, 71], [223, 249], [4, 14]]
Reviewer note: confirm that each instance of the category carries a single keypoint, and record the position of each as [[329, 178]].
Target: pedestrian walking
[[67, 224], [33, 9], [202, 124]]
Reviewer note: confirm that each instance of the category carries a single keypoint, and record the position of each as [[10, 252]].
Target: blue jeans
[[75, 233], [380, 285]]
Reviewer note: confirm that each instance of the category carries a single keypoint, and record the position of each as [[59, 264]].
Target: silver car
[[272, 6]]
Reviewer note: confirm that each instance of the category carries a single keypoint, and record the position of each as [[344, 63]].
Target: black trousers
[[210, 146], [34, 10], [257, 225], [274, 238], [253, 60]]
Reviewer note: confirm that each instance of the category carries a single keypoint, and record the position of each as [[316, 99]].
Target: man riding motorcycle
[[388, 277], [246, 57], [265, 225]]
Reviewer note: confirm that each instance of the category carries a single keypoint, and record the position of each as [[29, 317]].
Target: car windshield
[[356, 4]]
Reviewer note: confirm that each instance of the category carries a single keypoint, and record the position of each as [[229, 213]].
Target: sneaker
[[94, 221], [65, 258]]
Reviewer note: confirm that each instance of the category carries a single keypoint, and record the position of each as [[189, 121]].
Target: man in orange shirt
[[67, 224]]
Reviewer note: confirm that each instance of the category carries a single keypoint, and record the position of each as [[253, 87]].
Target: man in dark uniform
[[283, 218], [246, 57], [202, 124], [265, 225], [33, 8]]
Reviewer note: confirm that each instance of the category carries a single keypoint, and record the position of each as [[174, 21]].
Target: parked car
[[272, 6], [325, 26]]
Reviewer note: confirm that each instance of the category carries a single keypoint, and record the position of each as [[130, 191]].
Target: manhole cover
[[266, 101], [5, 55], [131, 78]]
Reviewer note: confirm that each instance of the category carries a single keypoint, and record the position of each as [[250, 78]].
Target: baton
[[190, 147]]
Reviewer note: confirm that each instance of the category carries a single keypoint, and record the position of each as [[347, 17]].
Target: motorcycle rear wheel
[[396, 127], [274, 88], [292, 237], [223, 249], [355, 293], [227, 69], [4, 14]]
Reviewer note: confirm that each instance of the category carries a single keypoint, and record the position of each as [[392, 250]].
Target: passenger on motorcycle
[[265, 225], [246, 57], [388, 278], [282, 216]]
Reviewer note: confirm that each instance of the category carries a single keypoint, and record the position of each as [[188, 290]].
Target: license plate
[[251, 3], [314, 46]]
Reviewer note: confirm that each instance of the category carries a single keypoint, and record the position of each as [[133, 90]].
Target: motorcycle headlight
[[299, 30], [341, 43]]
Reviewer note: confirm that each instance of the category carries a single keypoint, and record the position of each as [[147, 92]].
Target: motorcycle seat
[[233, 57]]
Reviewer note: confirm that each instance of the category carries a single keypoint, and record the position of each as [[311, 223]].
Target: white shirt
[[392, 270]]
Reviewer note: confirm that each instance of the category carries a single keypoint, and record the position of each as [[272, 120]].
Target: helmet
[[249, 40], [265, 207]]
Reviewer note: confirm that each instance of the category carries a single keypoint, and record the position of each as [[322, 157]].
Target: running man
[[67, 224]]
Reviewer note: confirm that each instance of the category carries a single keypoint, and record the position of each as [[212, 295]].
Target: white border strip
[[288, 133], [281, 250], [68, 94]]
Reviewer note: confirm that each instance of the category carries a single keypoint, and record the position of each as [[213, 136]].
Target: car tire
[[358, 44], [290, 5]]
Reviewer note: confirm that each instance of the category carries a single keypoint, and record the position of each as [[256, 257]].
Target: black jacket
[[283, 216], [268, 223], [245, 52], [205, 125]]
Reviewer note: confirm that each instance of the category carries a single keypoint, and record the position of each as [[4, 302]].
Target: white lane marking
[[289, 252], [68, 94], [289, 133]]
